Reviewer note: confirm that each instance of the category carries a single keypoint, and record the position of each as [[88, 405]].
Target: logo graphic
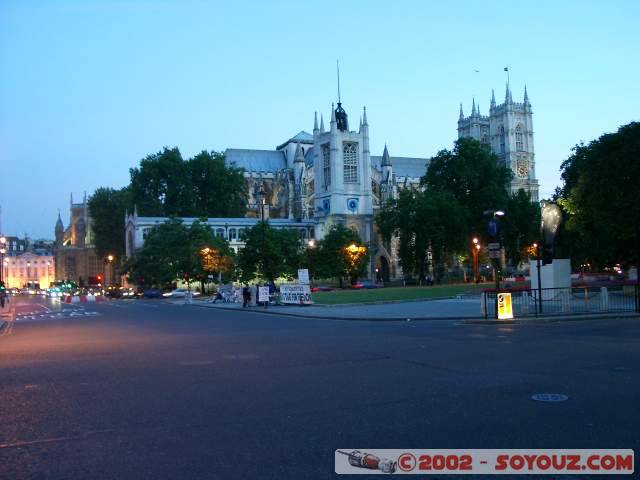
[[352, 205], [326, 205]]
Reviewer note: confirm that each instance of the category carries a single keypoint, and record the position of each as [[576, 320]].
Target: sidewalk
[[425, 309]]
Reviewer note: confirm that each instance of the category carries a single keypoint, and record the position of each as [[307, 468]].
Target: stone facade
[[508, 130], [75, 255]]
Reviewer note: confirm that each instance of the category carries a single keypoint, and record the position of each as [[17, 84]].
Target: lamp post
[[475, 250], [111, 273], [261, 201], [3, 250], [494, 233], [536, 246]]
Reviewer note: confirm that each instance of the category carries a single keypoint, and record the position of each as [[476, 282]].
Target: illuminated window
[[350, 162], [519, 139], [326, 165]]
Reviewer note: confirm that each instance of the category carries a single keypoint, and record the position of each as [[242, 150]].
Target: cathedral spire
[[461, 114], [386, 160], [321, 123], [526, 96], [315, 122], [493, 98], [333, 115], [364, 116], [473, 107], [507, 95]]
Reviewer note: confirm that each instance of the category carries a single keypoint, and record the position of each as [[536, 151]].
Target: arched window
[[242, 236], [501, 133], [350, 162], [326, 165], [220, 232], [519, 139], [232, 234]]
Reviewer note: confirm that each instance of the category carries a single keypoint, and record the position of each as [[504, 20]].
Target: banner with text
[[298, 294]]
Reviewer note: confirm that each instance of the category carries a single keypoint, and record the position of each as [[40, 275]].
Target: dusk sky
[[89, 88]]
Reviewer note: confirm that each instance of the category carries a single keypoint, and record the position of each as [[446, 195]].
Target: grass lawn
[[393, 293]]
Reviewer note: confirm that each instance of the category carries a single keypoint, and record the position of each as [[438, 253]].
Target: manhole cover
[[549, 397]]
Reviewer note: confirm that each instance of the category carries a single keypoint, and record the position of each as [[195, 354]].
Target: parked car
[[366, 284], [322, 288], [179, 293], [152, 293]]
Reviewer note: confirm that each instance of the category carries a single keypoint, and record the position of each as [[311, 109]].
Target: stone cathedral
[[313, 181]]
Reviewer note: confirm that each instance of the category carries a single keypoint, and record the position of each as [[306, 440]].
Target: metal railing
[[531, 302]]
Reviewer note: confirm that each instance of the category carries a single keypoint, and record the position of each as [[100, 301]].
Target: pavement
[[152, 390], [426, 309]]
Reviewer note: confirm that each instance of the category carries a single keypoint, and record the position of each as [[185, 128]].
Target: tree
[[600, 199], [160, 186], [107, 208], [216, 189], [333, 258], [520, 226], [204, 186], [171, 251], [424, 221], [269, 253], [473, 176]]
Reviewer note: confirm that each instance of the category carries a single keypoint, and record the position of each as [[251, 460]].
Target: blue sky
[[88, 88]]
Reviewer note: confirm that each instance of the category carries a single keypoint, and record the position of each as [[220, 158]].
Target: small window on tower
[[350, 160], [501, 133]]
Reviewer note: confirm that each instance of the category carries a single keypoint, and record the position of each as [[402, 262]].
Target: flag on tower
[[506, 69]]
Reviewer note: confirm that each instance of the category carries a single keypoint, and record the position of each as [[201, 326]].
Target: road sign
[[505, 308], [494, 254], [493, 228], [494, 246]]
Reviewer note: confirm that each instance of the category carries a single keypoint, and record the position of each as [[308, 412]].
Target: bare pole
[[338, 70]]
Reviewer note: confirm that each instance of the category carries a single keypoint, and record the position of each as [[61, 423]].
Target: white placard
[[303, 276], [296, 294], [263, 294]]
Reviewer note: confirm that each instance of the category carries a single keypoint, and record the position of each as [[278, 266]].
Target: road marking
[[197, 363], [27, 443]]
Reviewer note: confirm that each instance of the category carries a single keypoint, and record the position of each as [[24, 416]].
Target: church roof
[[403, 166], [256, 160], [300, 137]]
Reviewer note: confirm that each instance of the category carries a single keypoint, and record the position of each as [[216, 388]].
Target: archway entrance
[[382, 269]]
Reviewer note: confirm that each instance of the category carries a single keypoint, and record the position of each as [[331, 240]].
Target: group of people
[[250, 294]]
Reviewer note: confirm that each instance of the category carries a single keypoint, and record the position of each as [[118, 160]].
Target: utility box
[[553, 275]]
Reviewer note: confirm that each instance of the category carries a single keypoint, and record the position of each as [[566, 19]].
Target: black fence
[[612, 298]]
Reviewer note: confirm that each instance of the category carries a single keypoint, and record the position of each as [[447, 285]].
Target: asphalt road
[[148, 390]]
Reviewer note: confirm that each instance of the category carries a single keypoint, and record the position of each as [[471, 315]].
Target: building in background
[[28, 263], [75, 255], [508, 130]]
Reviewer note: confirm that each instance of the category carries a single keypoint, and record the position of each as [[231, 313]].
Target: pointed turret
[[473, 107], [461, 117], [332, 123], [59, 230], [321, 123], [507, 95], [526, 97], [493, 98], [386, 160], [364, 116], [315, 122]]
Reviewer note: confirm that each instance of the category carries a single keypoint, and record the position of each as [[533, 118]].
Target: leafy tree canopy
[[269, 253], [600, 198], [331, 256], [107, 207]]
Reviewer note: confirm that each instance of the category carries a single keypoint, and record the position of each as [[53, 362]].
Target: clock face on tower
[[522, 168]]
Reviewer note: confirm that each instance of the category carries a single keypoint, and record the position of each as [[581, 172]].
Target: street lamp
[[494, 234], [110, 261], [3, 250], [475, 251], [262, 201], [536, 248]]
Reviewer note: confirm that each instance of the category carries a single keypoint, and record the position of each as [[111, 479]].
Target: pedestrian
[[254, 295], [246, 295], [3, 294]]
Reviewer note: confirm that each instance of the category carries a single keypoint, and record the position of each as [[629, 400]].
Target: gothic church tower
[[342, 175], [509, 131]]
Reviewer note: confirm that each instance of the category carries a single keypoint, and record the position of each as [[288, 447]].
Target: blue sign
[[352, 205], [493, 228], [326, 205]]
